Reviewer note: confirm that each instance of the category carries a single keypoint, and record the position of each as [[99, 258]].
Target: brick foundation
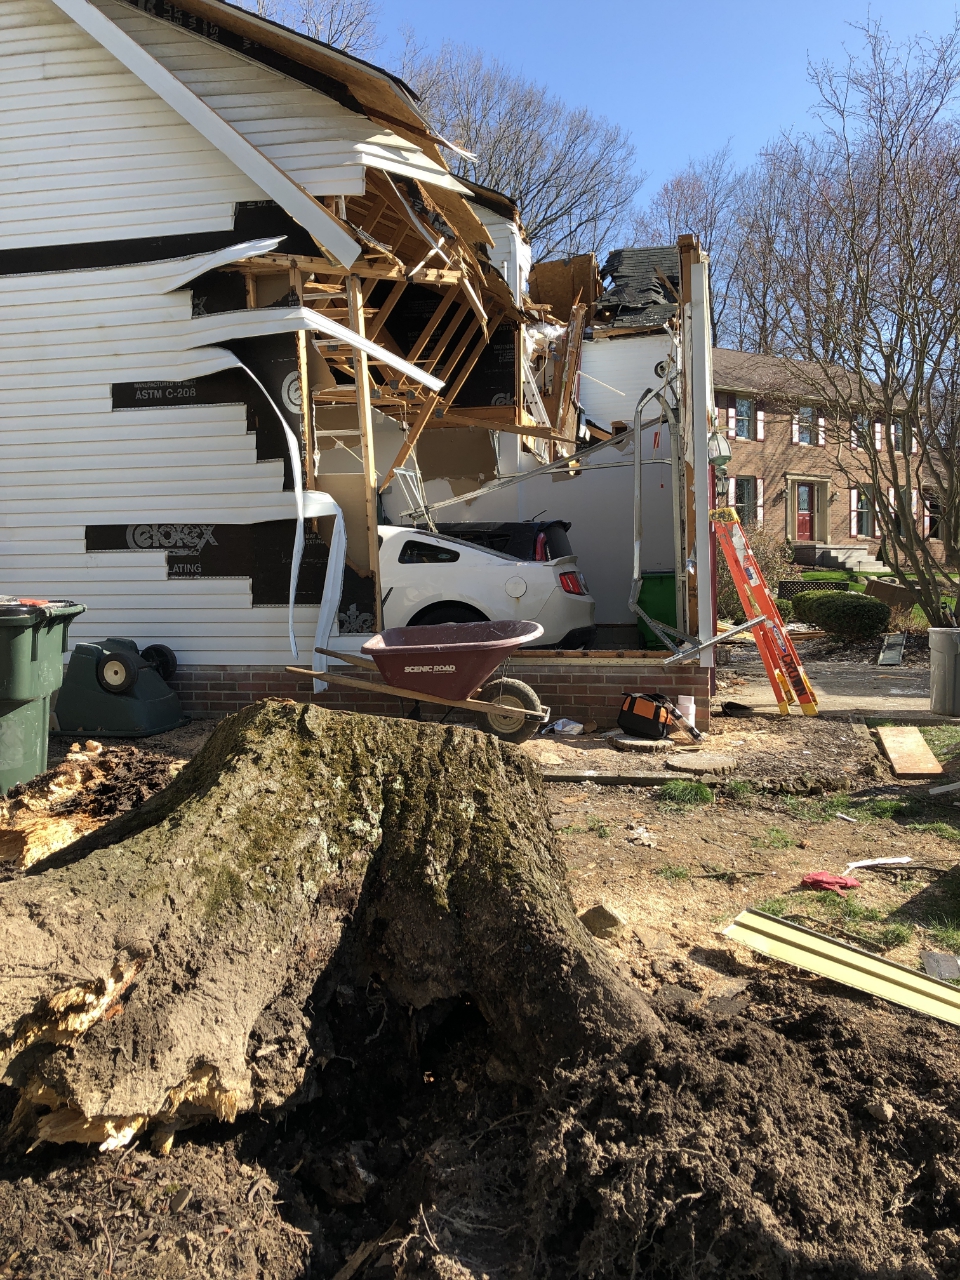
[[581, 688]]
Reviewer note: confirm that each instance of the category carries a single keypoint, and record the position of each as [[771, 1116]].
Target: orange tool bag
[[648, 715]]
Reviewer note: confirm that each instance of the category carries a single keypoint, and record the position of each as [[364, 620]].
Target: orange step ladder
[[780, 658]]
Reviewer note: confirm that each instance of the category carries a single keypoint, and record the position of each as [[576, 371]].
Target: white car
[[431, 578]]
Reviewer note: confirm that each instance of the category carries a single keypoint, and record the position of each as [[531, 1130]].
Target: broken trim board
[[792, 943], [909, 755]]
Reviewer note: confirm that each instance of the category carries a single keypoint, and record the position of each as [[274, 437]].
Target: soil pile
[[793, 1130], [479, 1103]]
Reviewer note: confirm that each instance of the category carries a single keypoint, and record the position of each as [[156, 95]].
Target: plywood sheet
[[907, 752]]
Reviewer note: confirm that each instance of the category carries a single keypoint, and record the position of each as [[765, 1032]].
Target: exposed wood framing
[[365, 422]]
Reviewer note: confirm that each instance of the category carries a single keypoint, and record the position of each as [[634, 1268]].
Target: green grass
[[673, 873], [819, 808], [944, 741], [738, 789], [868, 924], [945, 830], [946, 934], [681, 791], [775, 906], [599, 828], [776, 838]]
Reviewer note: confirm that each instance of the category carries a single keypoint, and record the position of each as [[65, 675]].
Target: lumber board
[[909, 755]]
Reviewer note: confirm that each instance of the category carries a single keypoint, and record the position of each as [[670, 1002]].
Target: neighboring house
[[785, 473]]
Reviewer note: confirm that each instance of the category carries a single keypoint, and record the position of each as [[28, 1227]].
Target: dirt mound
[[750, 1148], [747, 1148]]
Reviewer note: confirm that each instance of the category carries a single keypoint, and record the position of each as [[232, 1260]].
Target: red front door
[[805, 512]]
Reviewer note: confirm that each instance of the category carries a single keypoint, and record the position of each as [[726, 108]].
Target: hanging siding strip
[[261, 170]]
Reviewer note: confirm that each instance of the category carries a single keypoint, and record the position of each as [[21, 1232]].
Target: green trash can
[[658, 598], [33, 637]]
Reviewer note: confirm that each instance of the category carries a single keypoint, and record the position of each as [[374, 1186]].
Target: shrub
[[775, 558], [803, 602], [849, 617], [785, 609]]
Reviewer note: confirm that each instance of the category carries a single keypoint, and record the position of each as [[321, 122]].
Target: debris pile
[[89, 786]]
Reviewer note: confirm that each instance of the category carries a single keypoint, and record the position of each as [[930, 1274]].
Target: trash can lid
[[17, 610]]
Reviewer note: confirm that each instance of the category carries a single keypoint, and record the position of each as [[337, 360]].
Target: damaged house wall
[[144, 472]]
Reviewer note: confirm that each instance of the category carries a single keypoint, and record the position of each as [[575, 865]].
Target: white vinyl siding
[[88, 152], [320, 144], [68, 460]]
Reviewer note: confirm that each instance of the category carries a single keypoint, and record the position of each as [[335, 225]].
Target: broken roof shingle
[[645, 289]]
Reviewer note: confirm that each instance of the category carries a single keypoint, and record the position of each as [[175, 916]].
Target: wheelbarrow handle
[[364, 663]]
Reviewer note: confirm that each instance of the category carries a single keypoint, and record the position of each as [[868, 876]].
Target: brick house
[[785, 474]]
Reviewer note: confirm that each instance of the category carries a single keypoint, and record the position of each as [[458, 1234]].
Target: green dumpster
[[33, 637], [658, 598]]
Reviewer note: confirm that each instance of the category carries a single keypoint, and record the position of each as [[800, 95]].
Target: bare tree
[[571, 173], [867, 279], [703, 198], [351, 25]]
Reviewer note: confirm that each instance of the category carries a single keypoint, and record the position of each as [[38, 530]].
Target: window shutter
[[891, 498], [854, 504], [821, 431], [853, 437], [796, 429], [877, 436], [732, 423], [913, 441], [759, 424], [914, 500], [759, 500], [731, 491]]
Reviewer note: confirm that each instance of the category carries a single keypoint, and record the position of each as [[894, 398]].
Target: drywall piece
[[841, 962], [907, 752], [325, 229], [891, 653]]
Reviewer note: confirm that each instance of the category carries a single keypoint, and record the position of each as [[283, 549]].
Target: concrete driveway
[[861, 689]]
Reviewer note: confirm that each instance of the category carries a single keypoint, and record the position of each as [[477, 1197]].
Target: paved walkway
[[863, 690]]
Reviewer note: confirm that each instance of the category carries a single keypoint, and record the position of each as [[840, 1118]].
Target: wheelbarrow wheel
[[512, 697]]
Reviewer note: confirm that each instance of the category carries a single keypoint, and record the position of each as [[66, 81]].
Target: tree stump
[[174, 965]]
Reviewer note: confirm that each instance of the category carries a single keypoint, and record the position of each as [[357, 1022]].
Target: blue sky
[[682, 79]]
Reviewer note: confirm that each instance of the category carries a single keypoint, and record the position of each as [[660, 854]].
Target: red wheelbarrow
[[449, 664]]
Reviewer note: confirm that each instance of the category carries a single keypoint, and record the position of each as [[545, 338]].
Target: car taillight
[[541, 552], [574, 584]]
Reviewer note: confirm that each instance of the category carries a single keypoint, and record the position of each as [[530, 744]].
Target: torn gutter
[[841, 962], [325, 229]]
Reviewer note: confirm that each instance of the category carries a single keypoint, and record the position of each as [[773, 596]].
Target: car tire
[[162, 659], [447, 611], [117, 672], [509, 694]]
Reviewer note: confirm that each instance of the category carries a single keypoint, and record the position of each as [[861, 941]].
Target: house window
[[746, 420], [806, 426], [896, 435], [865, 522], [933, 513], [746, 499]]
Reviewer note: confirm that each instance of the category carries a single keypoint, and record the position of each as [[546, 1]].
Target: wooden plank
[[907, 752], [365, 419], [430, 327], [389, 302]]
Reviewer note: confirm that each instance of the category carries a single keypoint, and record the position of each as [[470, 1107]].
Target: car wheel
[[446, 611], [117, 672], [162, 659], [512, 697]]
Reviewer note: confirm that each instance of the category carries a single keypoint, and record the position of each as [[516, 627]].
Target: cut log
[[145, 969]]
